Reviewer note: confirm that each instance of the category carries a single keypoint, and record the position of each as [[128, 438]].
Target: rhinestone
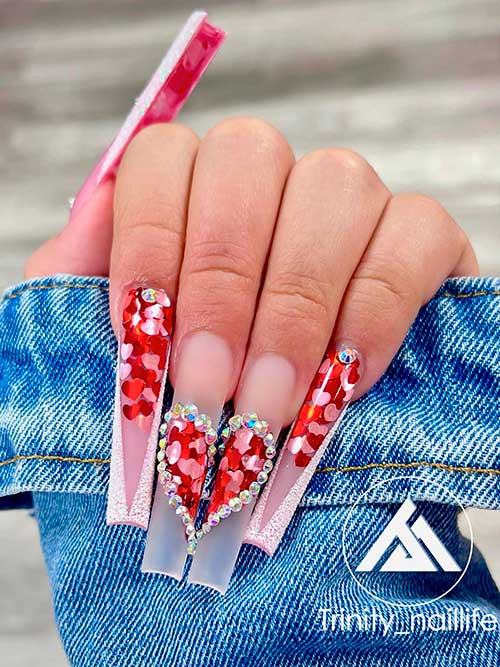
[[250, 420], [190, 412], [161, 455], [190, 529], [235, 504], [162, 443], [191, 549], [177, 410], [202, 423], [186, 520], [162, 466], [245, 497], [222, 449], [261, 428], [224, 511], [254, 488], [235, 422], [262, 477], [181, 510], [199, 534], [206, 528], [268, 466], [149, 295], [213, 519], [212, 450], [171, 489], [192, 539], [163, 428], [270, 452], [269, 440], [210, 436], [226, 432], [175, 501], [347, 356]]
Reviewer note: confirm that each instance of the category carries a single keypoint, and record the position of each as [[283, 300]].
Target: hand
[[271, 255]]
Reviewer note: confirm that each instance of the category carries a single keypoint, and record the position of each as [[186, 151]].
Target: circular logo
[[409, 549]]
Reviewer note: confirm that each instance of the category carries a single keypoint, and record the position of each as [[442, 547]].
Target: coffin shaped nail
[[325, 403], [143, 354], [163, 97]]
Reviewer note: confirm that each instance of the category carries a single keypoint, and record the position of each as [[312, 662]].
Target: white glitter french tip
[[163, 97], [326, 402], [244, 468], [186, 449], [141, 372]]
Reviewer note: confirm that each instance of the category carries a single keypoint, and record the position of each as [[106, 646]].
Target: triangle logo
[[418, 548]]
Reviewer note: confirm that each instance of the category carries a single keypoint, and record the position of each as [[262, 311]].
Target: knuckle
[[297, 297], [338, 161], [382, 288], [421, 206], [156, 137], [221, 265], [258, 132]]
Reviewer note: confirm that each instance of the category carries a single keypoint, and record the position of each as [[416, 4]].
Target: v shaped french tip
[[143, 355]]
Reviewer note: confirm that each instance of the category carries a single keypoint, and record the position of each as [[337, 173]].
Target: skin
[[275, 255]]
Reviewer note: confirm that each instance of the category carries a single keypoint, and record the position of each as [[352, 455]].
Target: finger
[[330, 209], [150, 211], [331, 205], [83, 247], [240, 173], [416, 246]]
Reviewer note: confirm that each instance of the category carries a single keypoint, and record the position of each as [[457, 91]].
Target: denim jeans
[[435, 413]]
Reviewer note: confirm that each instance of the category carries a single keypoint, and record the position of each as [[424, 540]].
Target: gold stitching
[[52, 457], [33, 288], [412, 464], [360, 468]]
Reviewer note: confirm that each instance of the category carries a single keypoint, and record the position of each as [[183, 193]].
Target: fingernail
[[325, 403], [186, 449], [145, 340], [162, 99], [250, 449]]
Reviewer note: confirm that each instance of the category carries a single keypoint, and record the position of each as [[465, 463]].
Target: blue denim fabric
[[434, 413]]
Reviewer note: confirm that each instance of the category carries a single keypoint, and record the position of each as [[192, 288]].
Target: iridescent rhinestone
[[226, 432], [268, 466], [162, 466], [245, 497], [202, 423], [347, 356], [262, 477], [175, 501], [210, 436], [181, 510], [270, 452], [235, 422], [149, 295], [199, 534], [162, 443], [190, 529], [261, 428], [224, 511], [192, 539], [206, 527], [269, 440], [191, 548], [161, 455], [170, 489], [190, 412], [186, 520], [254, 488], [250, 419], [212, 450], [235, 504], [222, 449], [213, 519], [163, 428], [177, 410]]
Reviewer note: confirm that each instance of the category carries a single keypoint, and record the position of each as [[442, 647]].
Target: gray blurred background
[[414, 86]]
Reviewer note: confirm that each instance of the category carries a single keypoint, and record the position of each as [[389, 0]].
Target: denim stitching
[[57, 286], [360, 468]]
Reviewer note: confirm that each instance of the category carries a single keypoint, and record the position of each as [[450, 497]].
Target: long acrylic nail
[[325, 403], [186, 449], [250, 449], [145, 340], [163, 97]]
